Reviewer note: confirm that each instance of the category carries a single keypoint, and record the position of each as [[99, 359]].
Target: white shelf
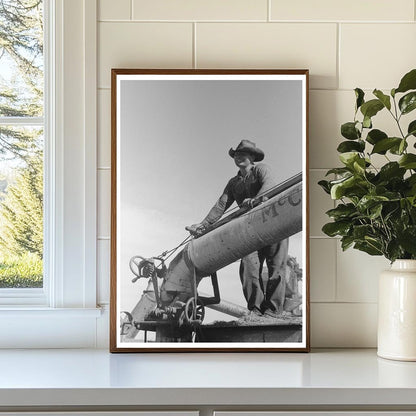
[[58, 378]]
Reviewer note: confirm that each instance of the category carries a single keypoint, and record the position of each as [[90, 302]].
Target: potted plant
[[376, 209]]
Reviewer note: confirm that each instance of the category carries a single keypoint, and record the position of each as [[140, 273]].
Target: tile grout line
[[336, 271], [351, 302], [308, 22], [131, 9], [322, 237], [194, 63], [338, 66], [108, 89], [269, 8]]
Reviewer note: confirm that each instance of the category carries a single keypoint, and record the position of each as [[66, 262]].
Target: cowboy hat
[[248, 147]]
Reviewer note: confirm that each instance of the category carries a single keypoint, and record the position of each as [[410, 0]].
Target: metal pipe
[[229, 308], [270, 222]]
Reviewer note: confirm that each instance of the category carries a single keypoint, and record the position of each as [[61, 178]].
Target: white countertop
[[96, 377]]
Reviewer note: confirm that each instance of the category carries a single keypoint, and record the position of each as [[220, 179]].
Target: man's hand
[[252, 202], [195, 229], [248, 203]]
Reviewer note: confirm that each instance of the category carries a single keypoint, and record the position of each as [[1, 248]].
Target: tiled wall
[[344, 43]]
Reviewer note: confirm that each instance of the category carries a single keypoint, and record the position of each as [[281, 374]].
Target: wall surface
[[345, 44]]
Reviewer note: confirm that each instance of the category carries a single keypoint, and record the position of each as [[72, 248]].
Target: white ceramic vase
[[397, 312]]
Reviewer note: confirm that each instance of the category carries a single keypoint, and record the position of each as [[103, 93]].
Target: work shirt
[[258, 180]]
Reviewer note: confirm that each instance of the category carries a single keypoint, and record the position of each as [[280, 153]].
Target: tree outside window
[[21, 143]]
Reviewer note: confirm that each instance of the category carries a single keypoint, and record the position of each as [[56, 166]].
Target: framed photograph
[[209, 211]]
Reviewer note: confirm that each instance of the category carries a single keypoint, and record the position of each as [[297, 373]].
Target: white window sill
[[331, 379], [37, 327], [35, 311]]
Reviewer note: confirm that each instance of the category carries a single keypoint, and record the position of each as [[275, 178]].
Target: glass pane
[[21, 58], [21, 207]]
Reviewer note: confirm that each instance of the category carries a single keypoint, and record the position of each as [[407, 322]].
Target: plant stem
[[397, 118]]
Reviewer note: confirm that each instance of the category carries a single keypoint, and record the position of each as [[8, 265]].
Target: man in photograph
[[252, 180]]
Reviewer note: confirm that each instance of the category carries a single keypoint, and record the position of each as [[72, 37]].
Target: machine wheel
[[192, 314]]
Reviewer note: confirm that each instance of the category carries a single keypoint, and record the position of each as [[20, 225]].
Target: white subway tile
[[104, 129], [114, 10], [343, 325], [103, 271], [376, 55], [143, 45], [357, 275], [341, 10], [328, 110], [200, 10], [323, 269], [319, 203], [104, 202], [270, 45]]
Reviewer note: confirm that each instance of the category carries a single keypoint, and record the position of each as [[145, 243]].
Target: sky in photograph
[[174, 162]]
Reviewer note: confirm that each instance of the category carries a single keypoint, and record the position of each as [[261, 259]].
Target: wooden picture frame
[[178, 137]]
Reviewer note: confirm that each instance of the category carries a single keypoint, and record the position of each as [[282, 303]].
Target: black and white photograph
[[209, 244]]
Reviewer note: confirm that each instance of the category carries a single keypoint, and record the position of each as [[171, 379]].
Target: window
[[63, 312], [22, 127]]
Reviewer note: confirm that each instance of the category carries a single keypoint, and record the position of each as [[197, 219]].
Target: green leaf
[[368, 248], [342, 211], [408, 102], [361, 231], [325, 186], [338, 189], [351, 187], [385, 99], [375, 211], [349, 146], [371, 108], [336, 228], [411, 180], [383, 145], [411, 130], [402, 147], [408, 161], [346, 242], [407, 239], [359, 95], [391, 170], [350, 131], [398, 149], [393, 250], [375, 136], [348, 158], [369, 201], [393, 92], [408, 82], [338, 171], [359, 165], [367, 122]]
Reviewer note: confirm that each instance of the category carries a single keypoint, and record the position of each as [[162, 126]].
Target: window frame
[[70, 207]]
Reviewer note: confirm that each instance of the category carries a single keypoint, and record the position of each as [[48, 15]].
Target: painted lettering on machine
[[294, 199]]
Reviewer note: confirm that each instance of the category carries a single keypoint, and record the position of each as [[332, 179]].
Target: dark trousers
[[270, 294]]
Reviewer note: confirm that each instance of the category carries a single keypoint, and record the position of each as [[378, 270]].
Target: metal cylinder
[[270, 222]]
